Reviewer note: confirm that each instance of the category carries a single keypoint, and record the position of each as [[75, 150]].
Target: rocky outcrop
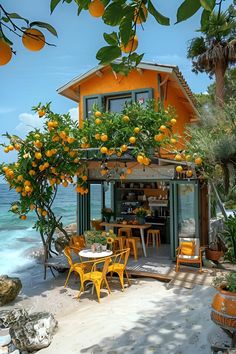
[[27, 332], [9, 289]]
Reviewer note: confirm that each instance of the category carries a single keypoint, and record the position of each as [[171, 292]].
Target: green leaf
[[208, 4], [53, 5], [204, 18], [79, 10], [16, 16], [108, 54], [5, 19], [187, 9], [165, 21], [113, 14], [126, 25], [83, 3], [111, 38], [44, 25]]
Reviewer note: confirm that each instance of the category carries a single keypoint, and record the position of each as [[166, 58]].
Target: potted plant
[[224, 302], [107, 213], [140, 214], [214, 251], [229, 236]]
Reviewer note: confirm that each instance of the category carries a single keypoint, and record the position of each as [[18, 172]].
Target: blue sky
[[33, 77]]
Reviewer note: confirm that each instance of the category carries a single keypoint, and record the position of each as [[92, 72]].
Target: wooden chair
[[189, 252], [119, 262]]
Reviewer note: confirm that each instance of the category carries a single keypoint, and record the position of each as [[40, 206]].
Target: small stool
[[124, 231], [156, 237], [131, 242], [120, 242]]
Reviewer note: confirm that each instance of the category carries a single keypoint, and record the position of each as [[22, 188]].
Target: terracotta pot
[[224, 309], [213, 255]]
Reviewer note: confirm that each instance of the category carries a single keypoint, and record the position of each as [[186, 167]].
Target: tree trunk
[[220, 69]]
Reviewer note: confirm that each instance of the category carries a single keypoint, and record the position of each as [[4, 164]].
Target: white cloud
[[74, 113], [28, 122]]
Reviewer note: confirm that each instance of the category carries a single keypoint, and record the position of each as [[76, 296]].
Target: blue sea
[[18, 238]]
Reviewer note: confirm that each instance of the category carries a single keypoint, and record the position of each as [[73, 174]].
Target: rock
[[16, 351], [9, 317], [34, 332], [4, 350], [5, 337], [9, 289]]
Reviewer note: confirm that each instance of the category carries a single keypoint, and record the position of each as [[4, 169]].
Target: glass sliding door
[[184, 212]]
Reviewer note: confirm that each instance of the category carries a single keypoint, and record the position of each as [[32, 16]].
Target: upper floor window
[[116, 103]]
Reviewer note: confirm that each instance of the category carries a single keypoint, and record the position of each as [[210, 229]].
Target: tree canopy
[[122, 16]]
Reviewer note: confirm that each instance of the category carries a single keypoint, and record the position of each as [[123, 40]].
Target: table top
[[87, 253], [131, 226]]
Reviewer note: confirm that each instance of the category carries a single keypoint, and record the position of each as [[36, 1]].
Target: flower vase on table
[[141, 220]]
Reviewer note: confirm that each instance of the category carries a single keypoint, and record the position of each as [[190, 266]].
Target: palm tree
[[215, 50]]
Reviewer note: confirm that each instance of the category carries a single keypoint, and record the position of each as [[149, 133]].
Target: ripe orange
[[17, 147], [18, 189], [48, 153], [70, 140], [5, 168], [38, 144], [188, 157], [38, 155], [131, 46], [65, 183], [34, 164], [10, 147], [129, 171], [23, 217], [162, 128], [173, 121], [104, 137], [142, 16], [140, 158], [179, 169], [159, 137], [98, 114], [173, 141], [103, 150], [189, 173], [103, 172], [20, 178], [32, 172], [125, 119], [178, 157], [6, 150], [5, 52], [198, 161], [96, 8], [32, 206], [33, 39], [28, 189], [27, 183], [136, 130], [146, 161], [44, 213], [98, 121], [124, 148], [132, 140], [84, 178], [97, 136]]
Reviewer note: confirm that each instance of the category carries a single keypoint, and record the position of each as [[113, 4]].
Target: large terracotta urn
[[224, 309]]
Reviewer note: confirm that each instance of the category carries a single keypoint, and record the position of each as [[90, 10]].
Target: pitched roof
[[162, 68]]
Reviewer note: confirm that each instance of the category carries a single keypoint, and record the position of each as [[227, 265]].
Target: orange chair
[[77, 243], [119, 243], [155, 237], [189, 251], [131, 242], [119, 262], [74, 267], [95, 276]]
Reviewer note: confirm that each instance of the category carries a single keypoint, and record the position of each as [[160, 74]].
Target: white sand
[[145, 318]]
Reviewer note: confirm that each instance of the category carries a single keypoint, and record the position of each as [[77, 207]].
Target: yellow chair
[[95, 276], [119, 243], [189, 251], [119, 262], [124, 231], [77, 243], [155, 237], [74, 267]]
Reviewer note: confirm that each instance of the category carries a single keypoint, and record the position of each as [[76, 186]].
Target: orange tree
[[60, 153], [122, 16]]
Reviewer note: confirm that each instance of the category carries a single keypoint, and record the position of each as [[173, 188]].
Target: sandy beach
[[146, 318]]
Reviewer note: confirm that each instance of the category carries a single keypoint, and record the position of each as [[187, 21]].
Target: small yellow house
[[179, 206]]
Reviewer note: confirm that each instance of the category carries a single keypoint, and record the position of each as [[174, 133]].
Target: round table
[[87, 253]]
